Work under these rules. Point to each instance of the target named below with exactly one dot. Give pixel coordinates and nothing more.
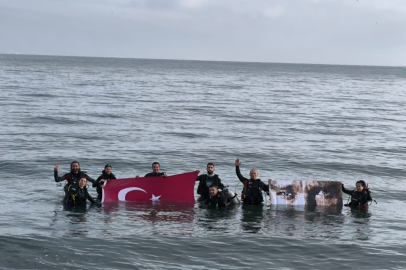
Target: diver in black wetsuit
(77, 195)
(155, 171)
(73, 176)
(359, 196)
(106, 175)
(216, 197)
(252, 190)
(207, 180)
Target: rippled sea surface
(291, 122)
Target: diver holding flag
(207, 180)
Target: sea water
(289, 121)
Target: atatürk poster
(305, 193)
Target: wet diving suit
(105, 177)
(152, 174)
(205, 181)
(76, 196)
(252, 190)
(73, 178)
(358, 199)
(219, 200)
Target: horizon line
(199, 60)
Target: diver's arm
(239, 175)
(368, 197)
(201, 185)
(265, 187)
(56, 177)
(59, 179)
(97, 180)
(349, 192)
(94, 182)
(219, 184)
(89, 197)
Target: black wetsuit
(205, 181)
(76, 196)
(105, 177)
(152, 174)
(252, 190)
(219, 200)
(73, 178)
(358, 199)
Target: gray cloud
(307, 31)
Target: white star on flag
(155, 198)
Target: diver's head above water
(210, 168)
(74, 167)
(254, 174)
(213, 190)
(155, 167)
(360, 185)
(82, 183)
(108, 169)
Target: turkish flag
(177, 187)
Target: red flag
(177, 187)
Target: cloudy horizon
(363, 32)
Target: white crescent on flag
(123, 192)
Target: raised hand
(56, 167)
(237, 162)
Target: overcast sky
(363, 32)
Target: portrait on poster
(326, 193)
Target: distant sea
(289, 121)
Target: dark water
(291, 122)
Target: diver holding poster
(359, 196)
(253, 187)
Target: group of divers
(212, 192)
